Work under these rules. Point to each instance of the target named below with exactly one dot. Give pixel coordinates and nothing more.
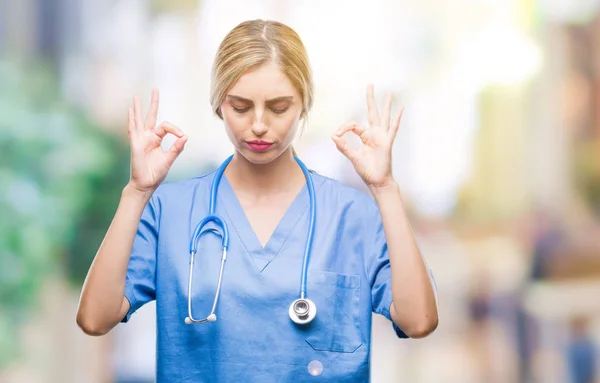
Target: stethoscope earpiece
(210, 318)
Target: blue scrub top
(254, 339)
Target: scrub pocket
(336, 326)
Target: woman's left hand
(373, 160)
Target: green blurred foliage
(586, 172)
(60, 178)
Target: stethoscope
(302, 310)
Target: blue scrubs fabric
(254, 339)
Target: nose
(259, 127)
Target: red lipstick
(259, 145)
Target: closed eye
(242, 110)
(280, 111)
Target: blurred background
(498, 157)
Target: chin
(260, 158)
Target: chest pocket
(336, 326)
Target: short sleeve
(379, 271)
(140, 283)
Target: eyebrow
(271, 101)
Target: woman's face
(261, 114)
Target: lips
(259, 145)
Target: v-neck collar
(262, 256)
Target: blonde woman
(262, 271)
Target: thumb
(344, 148)
(176, 149)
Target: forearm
(414, 308)
(102, 298)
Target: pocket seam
(348, 350)
(350, 281)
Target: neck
(278, 175)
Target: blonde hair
(253, 43)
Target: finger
(387, 107)
(355, 128)
(167, 127)
(372, 106)
(394, 127)
(153, 111)
(131, 122)
(359, 130)
(344, 148)
(137, 109)
(176, 149)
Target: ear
(218, 113)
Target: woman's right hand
(149, 163)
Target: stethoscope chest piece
(303, 311)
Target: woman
(364, 257)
